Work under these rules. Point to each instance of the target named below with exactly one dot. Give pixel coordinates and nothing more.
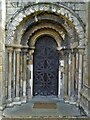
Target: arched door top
(45, 32)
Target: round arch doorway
(46, 64)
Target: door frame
(31, 52)
(50, 42)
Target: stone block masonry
(2, 52)
(9, 8)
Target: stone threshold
(47, 118)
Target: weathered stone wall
(0, 12)
(2, 52)
(12, 6)
(0, 48)
(15, 5)
(85, 95)
(80, 8)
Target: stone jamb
(81, 52)
(10, 52)
(17, 89)
(31, 53)
(60, 52)
(24, 97)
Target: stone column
(31, 68)
(28, 76)
(65, 75)
(59, 86)
(2, 55)
(59, 73)
(88, 52)
(77, 72)
(21, 74)
(24, 74)
(17, 50)
(10, 51)
(14, 74)
(73, 75)
(69, 74)
(80, 71)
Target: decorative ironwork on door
(46, 64)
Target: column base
(29, 98)
(9, 102)
(73, 100)
(60, 97)
(70, 100)
(66, 99)
(17, 101)
(24, 99)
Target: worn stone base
(46, 118)
(85, 100)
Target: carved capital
(10, 49)
(24, 50)
(81, 50)
(31, 52)
(18, 50)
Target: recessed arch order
(67, 14)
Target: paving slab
(26, 110)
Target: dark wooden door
(46, 64)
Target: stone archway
(31, 43)
(23, 32)
(67, 14)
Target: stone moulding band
(15, 46)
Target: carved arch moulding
(72, 20)
(47, 28)
(48, 32)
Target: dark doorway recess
(46, 63)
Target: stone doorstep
(47, 118)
